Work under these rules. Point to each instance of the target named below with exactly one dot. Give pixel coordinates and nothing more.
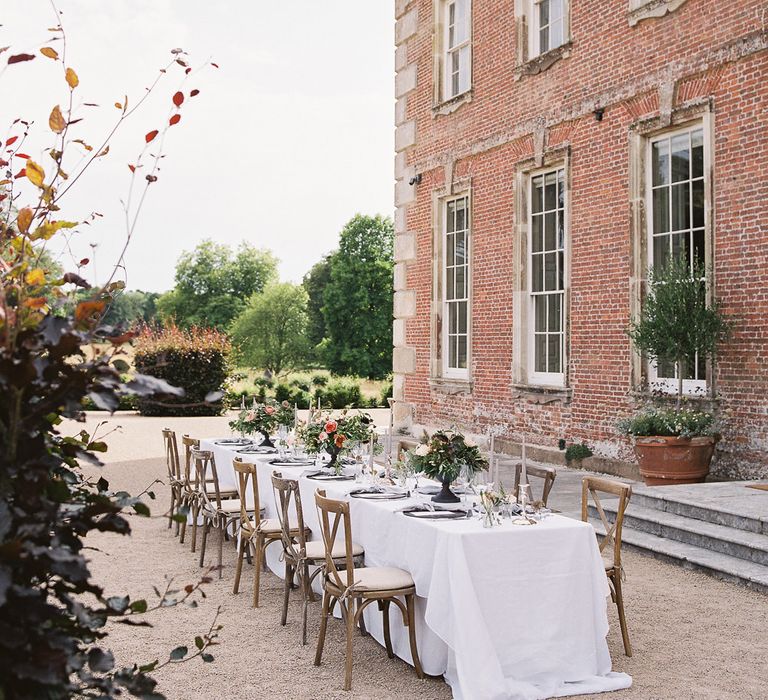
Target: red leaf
(132, 168)
(11, 140)
(194, 92)
(187, 71)
(175, 119)
(19, 57)
(3, 163)
(21, 173)
(151, 135)
(181, 63)
(178, 98)
(83, 262)
(22, 155)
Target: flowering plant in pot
(443, 456)
(263, 418)
(323, 433)
(674, 445)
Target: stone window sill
(451, 105)
(542, 394)
(451, 386)
(543, 61)
(703, 400)
(651, 9)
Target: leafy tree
(132, 307)
(272, 330)
(213, 284)
(314, 283)
(358, 299)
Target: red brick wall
(706, 48)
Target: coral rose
(322, 437)
(285, 404)
(330, 426)
(340, 440)
(269, 410)
(250, 415)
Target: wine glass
(524, 496)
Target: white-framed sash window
(549, 25)
(547, 274)
(457, 56)
(677, 167)
(456, 286)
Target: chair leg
(178, 506)
(622, 617)
(349, 617)
(286, 592)
(323, 627)
(171, 508)
(206, 527)
(183, 530)
(410, 606)
(195, 515)
(222, 528)
(239, 568)
(306, 591)
(257, 569)
(363, 631)
(387, 638)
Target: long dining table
(509, 612)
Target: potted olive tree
(674, 445)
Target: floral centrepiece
(323, 433)
(264, 419)
(443, 456)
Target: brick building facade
(547, 151)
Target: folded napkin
(366, 489)
(439, 511)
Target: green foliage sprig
(444, 455)
(670, 422)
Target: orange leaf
(35, 173)
(88, 309)
(11, 140)
(36, 303)
(19, 57)
(56, 121)
(36, 277)
(175, 119)
(72, 80)
(151, 135)
(24, 219)
(21, 155)
(118, 105)
(19, 174)
(48, 51)
(178, 98)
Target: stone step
(721, 566)
(730, 504)
(711, 536)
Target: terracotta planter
(674, 460)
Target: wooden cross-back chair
(356, 588)
(175, 479)
(610, 545)
(547, 474)
(215, 510)
(255, 532)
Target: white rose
(422, 450)
(449, 434)
(469, 442)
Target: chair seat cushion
(271, 526)
(229, 505)
(381, 578)
(316, 550)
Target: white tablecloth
(512, 612)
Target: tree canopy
(357, 300)
(314, 283)
(272, 330)
(214, 283)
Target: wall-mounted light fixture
(599, 114)
(415, 180)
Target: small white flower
(422, 450)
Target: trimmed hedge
(196, 360)
(340, 393)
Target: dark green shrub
(292, 394)
(266, 382)
(319, 379)
(340, 393)
(197, 360)
(126, 403)
(372, 402)
(577, 452)
(386, 393)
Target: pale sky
(289, 139)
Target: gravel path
(693, 636)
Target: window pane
(560, 229)
(697, 153)
(666, 370)
(450, 217)
(462, 22)
(540, 352)
(550, 225)
(455, 73)
(661, 210)
(463, 70)
(660, 162)
(698, 203)
(681, 210)
(461, 216)
(680, 158)
(453, 319)
(550, 191)
(660, 251)
(452, 351)
(461, 360)
(461, 283)
(698, 246)
(461, 252)
(540, 309)
(560, 270)
(450, 287)
(678, 241)
(554, 301)
(462, 306)
(537, 234)
(544, 12)
(556, 33)
(449, 249)
(536, 273)
(553, 351)
(537, 200)
(550, 271)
